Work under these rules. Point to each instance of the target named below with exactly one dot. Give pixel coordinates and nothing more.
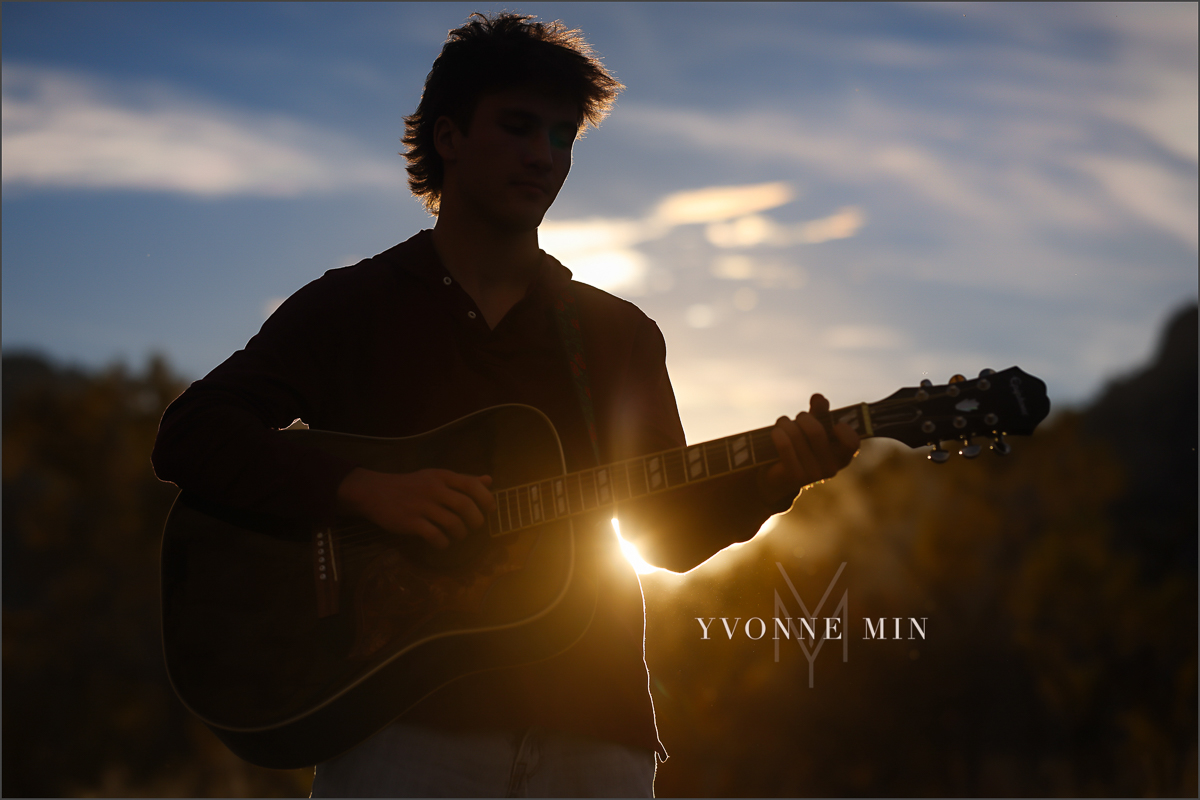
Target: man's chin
(522, 220)
(513, 218)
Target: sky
(844, 197)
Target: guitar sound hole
(461, 553)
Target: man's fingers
(818, 406)
(818, 445)
(811, 448)
(794, 450)
(462, 506)
(447, 520)
(847, 440)
(473, 487)
(431, 533)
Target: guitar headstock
(994, 405)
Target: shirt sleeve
(219, 440)
(679, 529)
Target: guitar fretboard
(575, 493)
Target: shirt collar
(419, 257)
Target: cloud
(766, 274)
(601, 250)
(68, 131)
(1146, 190)
(718, 203)
(1025, 132)
(754, 230)
(864, 337)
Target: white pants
(412, 761)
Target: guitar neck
(577, 493)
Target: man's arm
(680, 529)
(219, 440)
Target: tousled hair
(494, 53)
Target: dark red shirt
(394, 347)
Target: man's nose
(539, 152)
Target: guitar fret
(574, 493)
(620, 481)
(654, 474)
(673, 463)
(506, 496)
(560, 498)
(718, 458)
(638, 481)
(535, 505)
(587, 488)
(741, 451)
(603, 487)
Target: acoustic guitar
(295, 642)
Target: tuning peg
(939, 456)
(1001, 447)
(956, 379)
(984, 373)
(926, 383)
(969, 450)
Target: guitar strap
(567, 315)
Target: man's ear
(445, 137)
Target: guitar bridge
(326, 570)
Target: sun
(639, 564)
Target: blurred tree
(1060, 587)
(88, 709)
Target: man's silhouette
(451, 321)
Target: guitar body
(294, 644)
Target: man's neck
(495, 267)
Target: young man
(458, 319)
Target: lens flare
(631, 553)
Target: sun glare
(631, 553)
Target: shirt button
(471, 314)
(446, 280)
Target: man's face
(507, 170)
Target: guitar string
(354, 532)
(357, 533)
